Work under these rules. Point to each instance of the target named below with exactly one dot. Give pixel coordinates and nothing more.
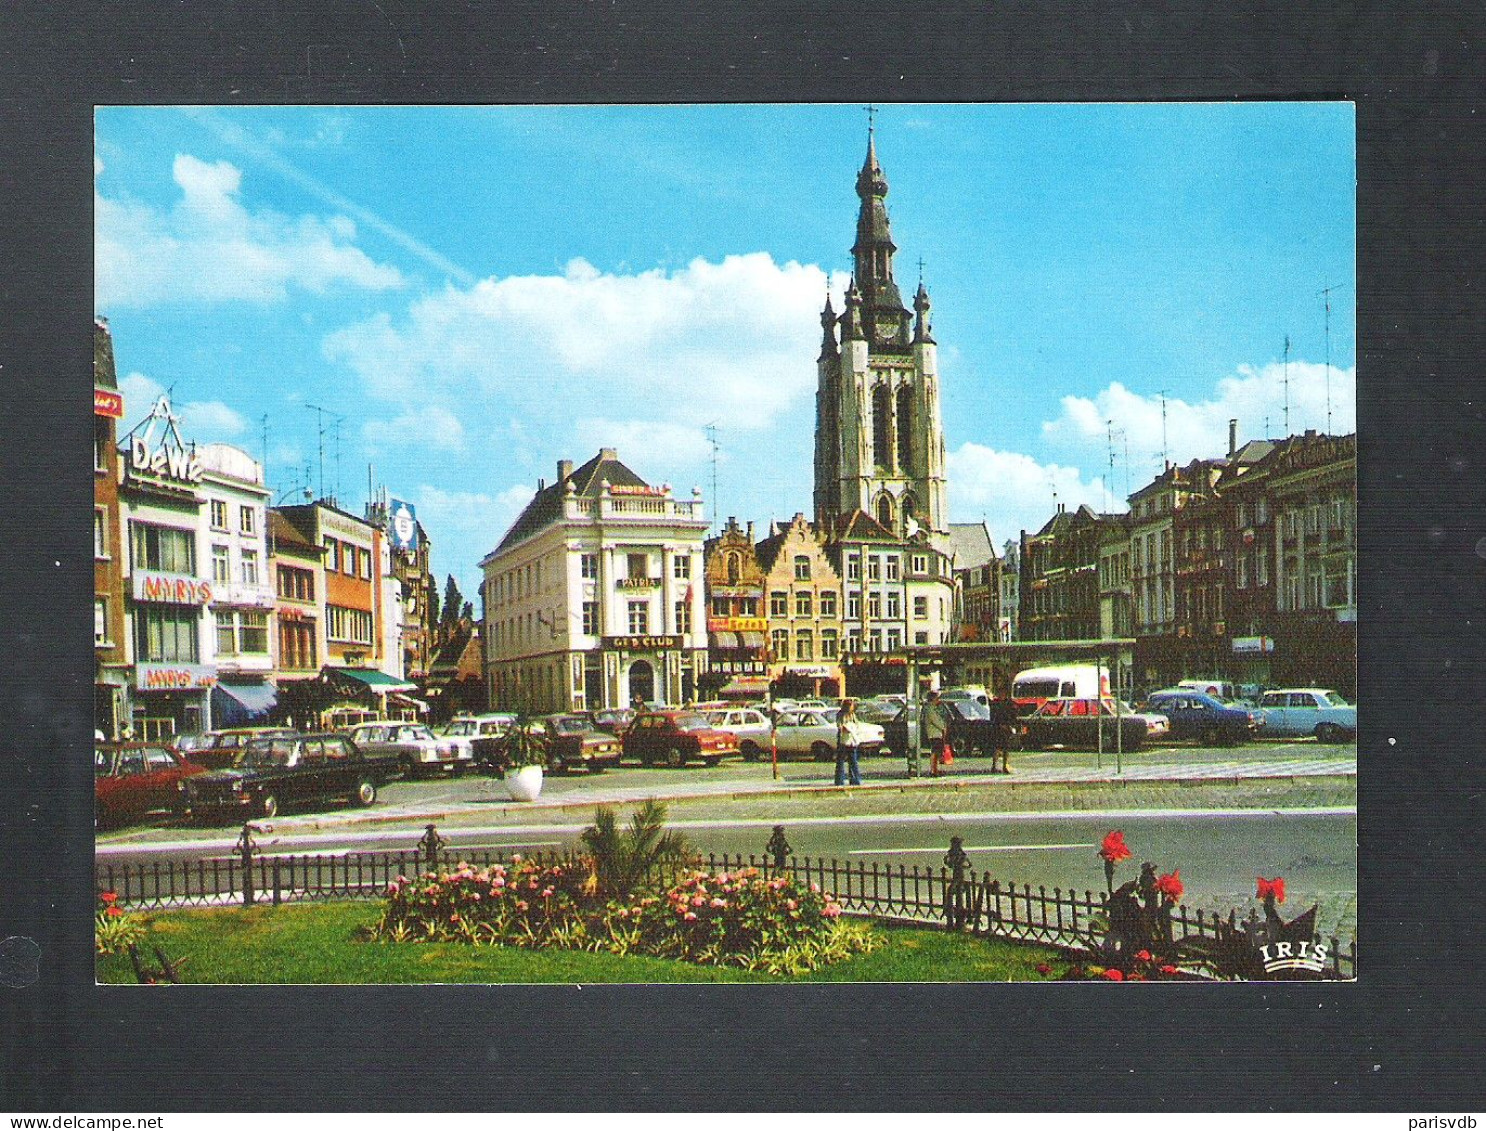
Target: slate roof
(970, 545)
(545, 507)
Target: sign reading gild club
(642, 643)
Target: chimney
(750, 532)
(541, 484)
(564, 469)
(1232, 435)
(608, 453)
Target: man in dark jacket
(1003, 723)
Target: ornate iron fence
(959, 900)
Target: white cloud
(200, 421)
(643, 441)
(467, 525)
(430, 426)
(210, 248)
(734, 340)
(1014, 491)
(1253, 395)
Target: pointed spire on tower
(921, 306)
(851, 320)
(828, 346)
(883, 313)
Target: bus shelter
(927, 660)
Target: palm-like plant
(623, 858)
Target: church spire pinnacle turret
(882, 305)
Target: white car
(467, 731)
(417, 750)
(1156, 726)
(751, 725)
(811, 731)
(1298, 712)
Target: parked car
(479, 738)
(1078, 723)
(969, 727)
(1035, 686)
(1218, 688)
(217, 748)
(1156, 725)
(811, 732)
(615, 720)
(133, 779)
(675, 738)
(1300, 711)
(751, 725)
(1204, 717)
(572, 742)
(416, 749)
(269, 775)
(972, 692)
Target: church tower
(879, 436)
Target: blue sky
(481, 291)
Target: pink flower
(521, 905)
(792, 903)
(698, 900)
(719, 902)
(546, 893)
(690, 916)
(815, 887)
(830, 911)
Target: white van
(1218, 687)
(1035, 686)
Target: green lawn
(316, 943)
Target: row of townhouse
(1240, 568)
(214, 608)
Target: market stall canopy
(240, 704)
(368, 679)
(746, 685)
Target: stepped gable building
(594, 597)
(879, 450)
(804, 610)
(737, 629)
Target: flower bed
(740, 918)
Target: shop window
(164, 548)
(166, 633)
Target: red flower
(1274, 887)
(109, 896)
(1137, 978)
(1142, 956)
(114, 912)
(1170, 886)
(1044, 969)
(1168, 969)
(1114, 848)
(1113, 975)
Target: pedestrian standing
(1003, 721)
(847, 744)
(935, 729)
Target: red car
(132, 779)
(677, 737)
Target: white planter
(524, 784)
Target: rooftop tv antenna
(320, 415)
(711, 431)
(1165, 456)
(1325, 293)
(1287, 386)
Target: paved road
(469, 797)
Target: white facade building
(595, 597)
(233, 533)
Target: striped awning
(724, 639)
